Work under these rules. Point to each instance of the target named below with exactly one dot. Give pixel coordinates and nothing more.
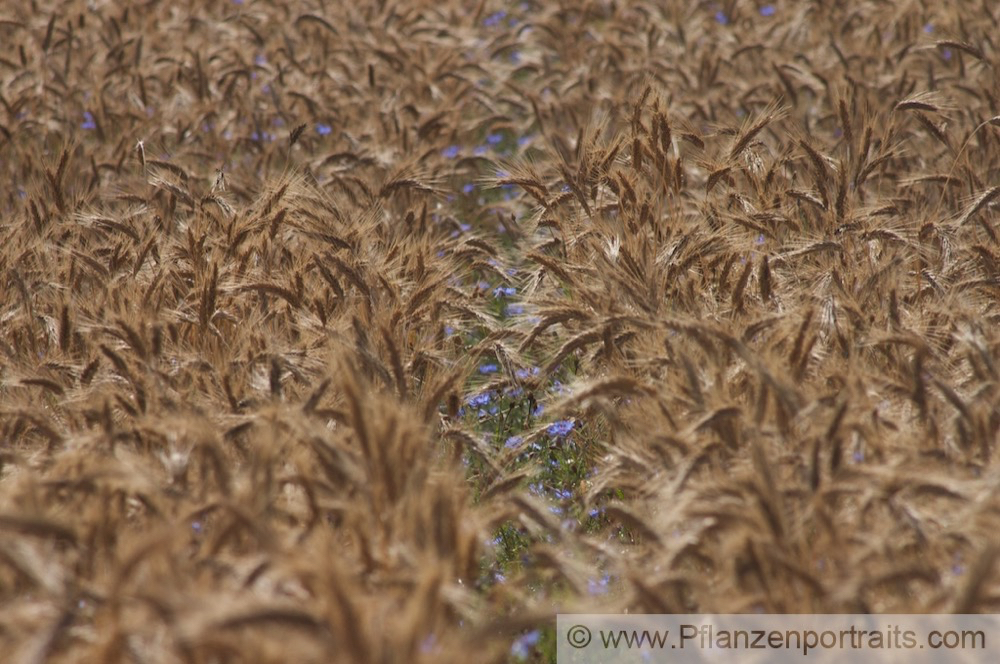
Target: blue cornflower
(468, 188)
(522, 646)
(88, 121)
(596, 512)
(515, 309)
(598, 586)
(563, 494)
(494, 18)
(465, 228)
(450, 152)
(479, 400)
(539, 409)
(561, 428)
(760, 239)
(524, 373)
(493, 139)
(504, 291)
(323, 129)
(513, 442)
(929, 28)
(721, 18)
(488, 369)
(480, 150)
(767, 10)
